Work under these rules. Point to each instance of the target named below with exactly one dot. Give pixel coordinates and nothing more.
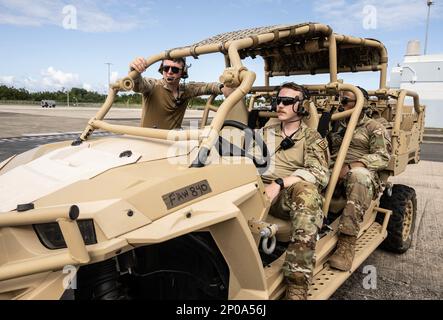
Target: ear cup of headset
(303, 108)
(185, 71)
(365, 93)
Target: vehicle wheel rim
(407, 220)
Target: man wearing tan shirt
(165, 100)
(294, 180)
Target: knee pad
(361, 176)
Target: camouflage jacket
(308, 158)
(370, 144)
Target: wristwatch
(280, 182)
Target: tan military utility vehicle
(150, 213)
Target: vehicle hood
(46, 170)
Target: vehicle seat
(312, 120)
(284, 228)
(239, 112)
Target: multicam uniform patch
(322, 144)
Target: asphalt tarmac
(30, 127)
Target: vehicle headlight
(51, 236)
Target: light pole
(67, 95)
(109, 73)
(429, 3)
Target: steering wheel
(250, 137)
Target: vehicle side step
(328, 280)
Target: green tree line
(78, 95)
(75, 95)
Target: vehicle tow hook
(269, 233)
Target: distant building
(424, 75)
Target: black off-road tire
(403, 203)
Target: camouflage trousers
(301, 203)
(359, 191)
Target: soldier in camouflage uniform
(368, 153)
(165, 100)
(297, 174)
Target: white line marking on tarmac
(49, 136)
(43, 134)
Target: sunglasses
(173, 69)
(286, 101)
(346, 100)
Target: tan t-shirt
(307, 159)
(161, 109)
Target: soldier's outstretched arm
(196, 89)
(141, 85)
(144, 85)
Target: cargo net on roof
(288, 55)
(242, 34)
(293, 58)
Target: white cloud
(114, 76)
(28, 83)
(87, 86)
(53, 78)
(90, 17)
(7, 80)
(96, 21)
(10, 19)
(346, 15)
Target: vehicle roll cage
(275, 44)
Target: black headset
(365, 93)
(301, 111)
(366, 108)
(184, 70)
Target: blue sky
(39, 53)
